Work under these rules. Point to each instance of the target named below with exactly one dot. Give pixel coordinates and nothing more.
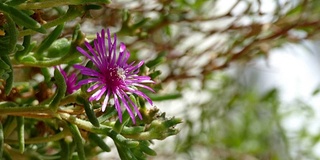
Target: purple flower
(114, 77)
(70, 81)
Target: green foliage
(21, 18)
(99, 141)
(7, 73)
(89, 111)
(61, 90)
(9, 40)
(46, 43)
(77, 138)
(49, 119)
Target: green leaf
(124, 152)
(46, 74)
(28, 59)
(171, 96)
(162, 128)
(118, 126)
(99, 141)
(131, 143)
(61, 90)
(295, 11)
(156, 61)
(26, 48)
(144, 146)
(59, 48)
(109, 112)
(78, 140)
(9, 126)
(20, 128)
(89, 111)
(46, 43)
(132, 130)
(9, 80)
(155, 74)
(140, 23)
(9, 40)
(65, 150)
(4, 65)
(22, 18)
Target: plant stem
(21, 111)
(86, 125)
(70, 98)
(141, 136)
(55, 137)
(106, 130)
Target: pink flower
(71, 81)
(113, 76)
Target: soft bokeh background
(247, 72)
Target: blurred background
(242, 74)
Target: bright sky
(294, 69)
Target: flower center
(116, 76)
(121, 73)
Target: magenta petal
(125, 103)
(132, 104)
(97, 95)
(112, 76)
(94, 87)
(105, 102)
(86, 81)
(117, 105)
(70, 80)
(143, 86)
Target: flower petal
(124, 101)
(97, 95)
(133, 104)
(117, 105)
(105, 102)
(114, 77)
